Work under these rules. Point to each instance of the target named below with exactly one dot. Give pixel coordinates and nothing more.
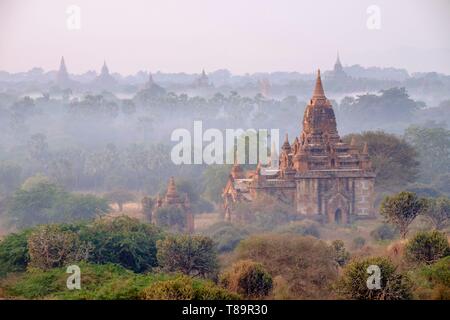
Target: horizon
(255, 36)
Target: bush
(247, 278)
(432, 281)
(353, 282)
(186, 288)
(122, 240)
(191, 255)
(359, 242)
(341, 255)
(427, 247)
(384, 232)
(97, 282)
(305, 263)
(51, 246)
(301, 228)
(225, 235)
(14, 255)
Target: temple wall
(307, 196)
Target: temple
(62, 77)
(322, 177)
(174, 199)
(202, 81)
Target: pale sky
(240, 35)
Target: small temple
(202, 81)
(173, 199)
(322, 177)
(62, 77)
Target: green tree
(427, 247)
(401, 209)
(353, 282)
(191, 255)
(14, 255)
(50, 246)
(438, 212)
(124, 241)
(248, 279)
(433, 145)
(214, 179)
(393, 159)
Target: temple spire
(318, 90)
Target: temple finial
(318, 90)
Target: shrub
(301, 228)
(247, 278)
(97, 282)
(14, 255)
(225, 235)
(186, 288)
(341, 255)
(122, 240)
(434, 280)
(353, 282)
(384, 232)
(305, 263)
(50, 246)
(191, 255)
(427, 247)
(359, 242)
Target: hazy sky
(240, 35)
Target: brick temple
(322, 177)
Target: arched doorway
(338, 216)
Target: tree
(438, 212)
(214, 179)
(191, 255)
(14, 255)
(341, 254)
(427, 247)
(120, 197)
(51, 246)
(353, 282)
(401, 209)
(147, 204)
(40, 201)
(248, 279)
(394, 160)
(124, 241)
(226, 235)
(433, 145)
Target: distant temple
(173, 199)
(322, 177)
(202, 81)
(62, 77)
(105, 79)
(338, 72)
